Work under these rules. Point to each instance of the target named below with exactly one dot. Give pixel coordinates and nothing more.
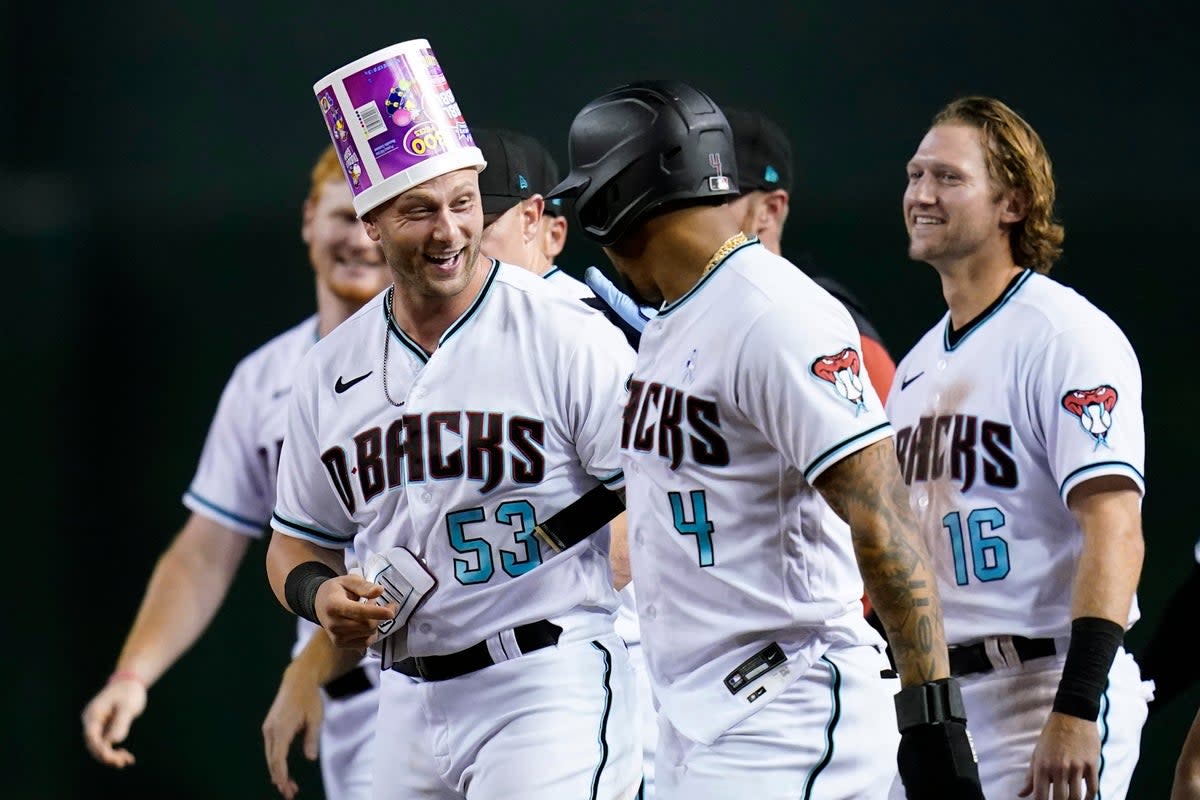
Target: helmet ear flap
(593, 214)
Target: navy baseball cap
(763, 152)
(517, 168)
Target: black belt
(533, 636)
(353, 682)
(969, 659)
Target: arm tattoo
(866, 490)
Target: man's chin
(357, 293)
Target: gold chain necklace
(731, 244)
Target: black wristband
(300, 588)
(929, 702)
(1094, 643)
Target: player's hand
(297, 708)
(348, 612)
(107, 718)
(1066, 760)
(619, 307)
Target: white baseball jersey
(995, 425)
(567, 283)
(234, 485)
(513, 417)
(746, 389)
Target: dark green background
(153, 164)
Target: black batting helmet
(641, 147)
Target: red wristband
(128, 675)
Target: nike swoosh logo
(342, 386)
(278, 393)
(904, 383)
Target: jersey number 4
(517, 514)
(697, 526)
(988, 555)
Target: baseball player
(431, 435)
(747, 405)
(231, 498)
(1019, 429)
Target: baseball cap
(518, 167)
(763, 152)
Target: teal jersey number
(988, 554)
(480, 566)
(697, 526)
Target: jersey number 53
(520, 517)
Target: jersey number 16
(988, 554)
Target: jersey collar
(410, 343)
(951, 339)
(669, 307)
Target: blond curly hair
(1016, 160)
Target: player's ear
(368, 221)
(1016, 206)
(775, 205)
(558, 234)
(531, 217)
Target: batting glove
(936, 757)
(619, 307)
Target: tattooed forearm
(866, 490)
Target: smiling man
(428, 439)
(1019, 430)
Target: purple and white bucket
(394, 122)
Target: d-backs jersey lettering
(995, 425)
(746, 389)
(514, 416)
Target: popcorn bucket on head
(394, 122)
